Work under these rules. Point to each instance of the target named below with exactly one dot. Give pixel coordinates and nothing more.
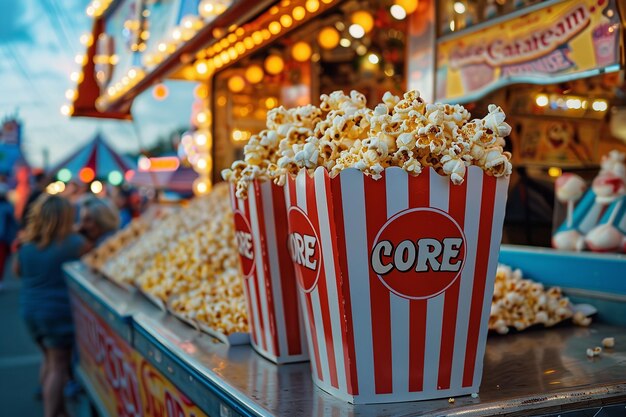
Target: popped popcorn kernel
(608, 342)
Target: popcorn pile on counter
(404, 132)
(128, 265)
(109, 249)
(189, 260)
(199, 274)
(216, 303)
(521, 303)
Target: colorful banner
(553, 44)
(124, 382)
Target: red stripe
(321, 284)
(287, 274)
(376, 216)
(91, 161)
(269, 292)
(293, 198)
(456, 209)
(480, 276)
(259, 309)
(419, 196)
(343, 285)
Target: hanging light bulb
(254, 74)
(328, 38)
(274, 64)
(301, 51)
(236, 83)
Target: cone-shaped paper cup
(276, 324)
(396, 278)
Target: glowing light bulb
(542, 100)
(356, 31)
(397, 12)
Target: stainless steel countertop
(539, 371)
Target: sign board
(126, 384)
(560, 42)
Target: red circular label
(418, 253)
(304, 249)
(245, 243)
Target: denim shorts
(51, 333)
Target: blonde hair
(50, 219)
(104, 214)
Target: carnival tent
(96, 160)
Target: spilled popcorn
(344, 133)
(521, 303)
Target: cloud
(39, 41)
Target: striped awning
(97, 155)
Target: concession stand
(556, 68)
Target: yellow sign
(554, 44)
(125, 383)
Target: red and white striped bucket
(396, 279)
(275, 320)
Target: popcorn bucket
(276, 324)
(396, 278)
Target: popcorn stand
(348, 264)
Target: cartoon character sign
(557, 141)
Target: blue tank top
(44, 292)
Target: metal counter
(537, 372)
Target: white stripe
(502, 186)
(397, 185)
(353, 200)
(439, 196)
(260, 272)
(241, 206)
(286, 192)
(233, 198)
(307, 327)
(472, 217)
(301, 191)
(274, 267)
(591, 219)
(305, 341)
(434, 322)
(255, 311)
(319, 331)
(439, 191)
(302, 203)
(256, 328)
(330, 275)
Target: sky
(38, 42)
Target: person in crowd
(8, 229)
(98, 220)
(46, 244)
(121, 198)
(39, 186)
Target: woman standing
(44, 300)
(98, 220)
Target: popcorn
(277, 150)
(521, 303)
(406, 132)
